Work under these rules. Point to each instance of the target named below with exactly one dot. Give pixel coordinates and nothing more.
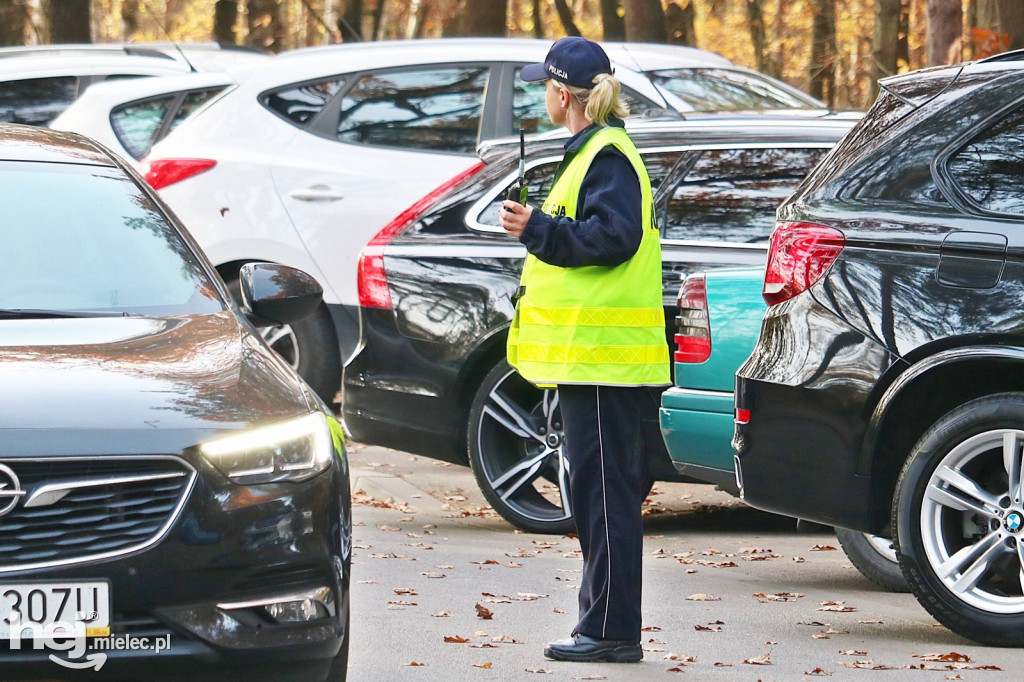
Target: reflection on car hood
(164, 380)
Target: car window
(426, 109)
(730, 195)
(300, 103)
(990, 168)
(191, 103)
(103, 246)
(136, 124)
(36, 101)
(541, 178)
(530, 113)
(727, 90)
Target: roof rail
(1011, 56)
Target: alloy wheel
(972, 521)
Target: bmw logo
(1013, 521)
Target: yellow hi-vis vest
(595, 324)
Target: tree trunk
(484, 18)
(999, 27)
(565, 14)
(903, 37)
(538, 20)
(421, 19)
(680, 19)
(173, 13)
(884, 42)
(645, 21)
(69, 21)
(613, 27)
(129, 20)
(350, 20)
(13, 22)
(944, 28)
(823, 51)
(755, 22)
(266, 30)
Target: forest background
(833, 49)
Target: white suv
(319, 148)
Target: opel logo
(1013, 522)
(10, 489)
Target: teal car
(719, 321)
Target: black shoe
(583, 648)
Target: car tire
(958, 516)
(310, 346)
(875, 558)
(514, 447)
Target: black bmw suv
(173, 498)
(886, 391)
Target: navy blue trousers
(607, 470)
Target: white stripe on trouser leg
(604, 500)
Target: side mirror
(277, 293)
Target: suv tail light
(163, 172)
(693, 340)
(800, 255)
(373, 278)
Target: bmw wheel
(310, 346)
(874, 557)
(515, 450)
(959, 515)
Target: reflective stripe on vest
(593, 324)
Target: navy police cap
(572, 60)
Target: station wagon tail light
(693, 337)
(160, 173)
(373, 278)
(800, 255)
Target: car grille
(79, 509)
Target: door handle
(315, 193)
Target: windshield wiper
(39, 313)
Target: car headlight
(294, 450)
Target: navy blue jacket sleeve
(609, 225)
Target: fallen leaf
(707, 628)
(505, 639)
(700, 596)
(456, 639)
(541, 671)
(763, 659)
(530, 596)
(870, 622)
(710, 551)
(798, 560)
(433, 574)
(818, 672)
(778, 596)
(442, 614)
(480, 633)
(557, 610)
(388, 528)
(482, 665)
(691, 570)
(818, 635)
(813, 623)
(402, 602)
(724, 665)
(483, 612)
(833, 631)
(406, 590)
(823, 548)
(852, 652)
(837, 606)
(414, 663)
(362, 546)
(484, 563)
(369, 582)
(951, 656)
(591, 677)
(485, 645)
(651, 628)
(681, 659)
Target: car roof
(720, 130)
(32, 143)
(209, 55)
(16, 67)
(375, 54)
(111, 93)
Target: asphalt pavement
(444, 589)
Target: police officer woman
(590, 321)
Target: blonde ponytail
(602, 100)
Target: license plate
(30, 610)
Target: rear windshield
(86, 238)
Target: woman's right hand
(513, 218)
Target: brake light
(742, 416)
(373, 278)
(693, 340)
(163, 172)
(800, 255)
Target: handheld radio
(519, 192)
